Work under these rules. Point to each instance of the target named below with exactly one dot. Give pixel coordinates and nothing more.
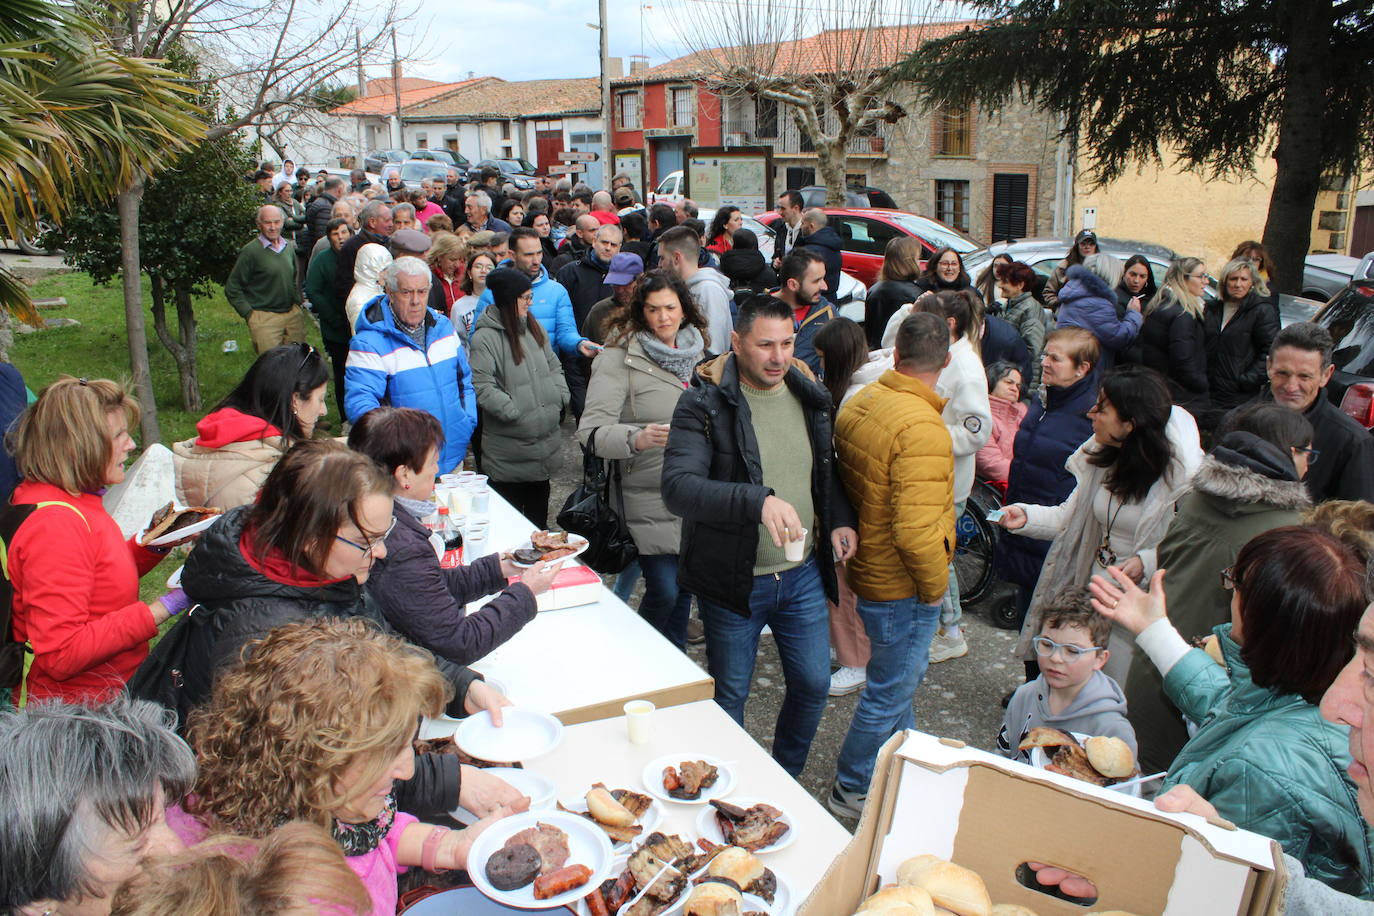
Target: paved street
(959, 698)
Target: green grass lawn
(98, 348)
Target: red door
(547, 145)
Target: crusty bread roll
(1111, 757)
(714, 899)
(603, 806)
(1011, 909)
(950, 886)
(898, 901)
(1212, 646)
(739, 865)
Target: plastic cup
(450, 480)
(475, 545)
(639, 720)
(794, 551)
(459, 500)
(481, 501)
(477, 481)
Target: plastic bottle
(452, 533)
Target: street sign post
(577, 156)
(568, 168)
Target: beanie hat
(507, 285)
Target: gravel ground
(958, 699)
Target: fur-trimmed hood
(1242, 485)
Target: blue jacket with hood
(552, 308)
(1088, 301)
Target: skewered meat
(688, 779)
(547, 840)
(751, 828)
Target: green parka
(520, 403)
(1270, 763)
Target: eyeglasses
(1228, 579)
(1046, 647)
(372, 542)
(1311, 453)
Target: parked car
(849, 297)
(345, 174)
(413, 171)
(669, 190)
(1349, 316)
(1044, 255)
(865, 231)
(855, 196)
(519, 172)
(374, 160)
(1325, 275)
(449, 157)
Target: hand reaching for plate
(482, 695)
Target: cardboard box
(990, 814)
(573, 586)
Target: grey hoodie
(1099, 709)
(711, 290)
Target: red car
(865, 231)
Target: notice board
(740, 176)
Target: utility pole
(396, 90)
(608, 167)
(362, 93)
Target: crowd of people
(780, 467)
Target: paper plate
(467, 900)
(708, 828)
(172, 537)
(648, 821)
(781, 905)
(539, 789)
(1039, 759)
(524, 734)
(174, 580)
(653, 778)
(587, 845)
(574, 540)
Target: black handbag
(588, 512)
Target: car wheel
(30, 246)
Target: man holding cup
(750, 469)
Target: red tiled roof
(818, 53)
(381, 99)
(518, 98)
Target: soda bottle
(452, 534)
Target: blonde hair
(1237, 264)
(1175, 288)
(307, 703)
(1350, 520)
(902, 259)
(64, 439)
(443, 244)
(298, 869)
(1080, 344)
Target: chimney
(638, 66)
(615, 68)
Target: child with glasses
(1071, 693)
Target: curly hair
(628, 321)
(307, 703)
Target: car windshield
(1351, 323)
(415, 171)
(938, 235)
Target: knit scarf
(360, 839)
(419, 508)
(679, 359)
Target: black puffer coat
(585, 281)
(882, 303)
(713, 479)
(1236, 354)
(1172, 342)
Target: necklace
(1105, 555)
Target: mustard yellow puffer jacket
(897, 464)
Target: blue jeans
(664, 605)
(793, 604)
(899, 633)
(626, 581)
(951, 610)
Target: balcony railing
(739, 129)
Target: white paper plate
(540, 790)
(587, 845)
(618, 865)
(574, 540)
(172, 537)
(466, 900)
(1039, 759)
(649, 821)
(653, 778)
(174, 580)
(524, 734)
(709, 829)
(781, 905)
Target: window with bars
(766, 118)
(627, 107)
(951, 203)
(953, 132)
(683, 104)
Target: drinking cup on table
(481, 500)
(459, 500)
(792, 549)
(477, 481)
(639, 720)
(450, 480)
(475, 545)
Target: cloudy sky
(542, 39)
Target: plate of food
(523, 735)
(467, 900)
(688, 779)
(623, 814)
(739, 870)
(539, 789)
(171, 524)
(1102, 761)
(651, 880)
(547, 547)
(539, 860)
(747, 823)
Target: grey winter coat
(521, 403)
(627, 392)
(1237, 493)
(1028, 317)
(1099, 709)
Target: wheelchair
(975, 543)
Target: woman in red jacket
(75, 576)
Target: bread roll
(603, 806)
(714, 899)
(1011, 909)
(1212, 646)
(950, 886)
(1111, 757)
(739, 865)
(898, 901)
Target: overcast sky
(542, 39)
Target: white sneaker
(948, 644)
(845, 681)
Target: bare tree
(266, 59)
(826, 63)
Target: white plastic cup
(481, 501)
(639, 720)
(793, 551)
(450, 480)
(475, 545)
(459, 500)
